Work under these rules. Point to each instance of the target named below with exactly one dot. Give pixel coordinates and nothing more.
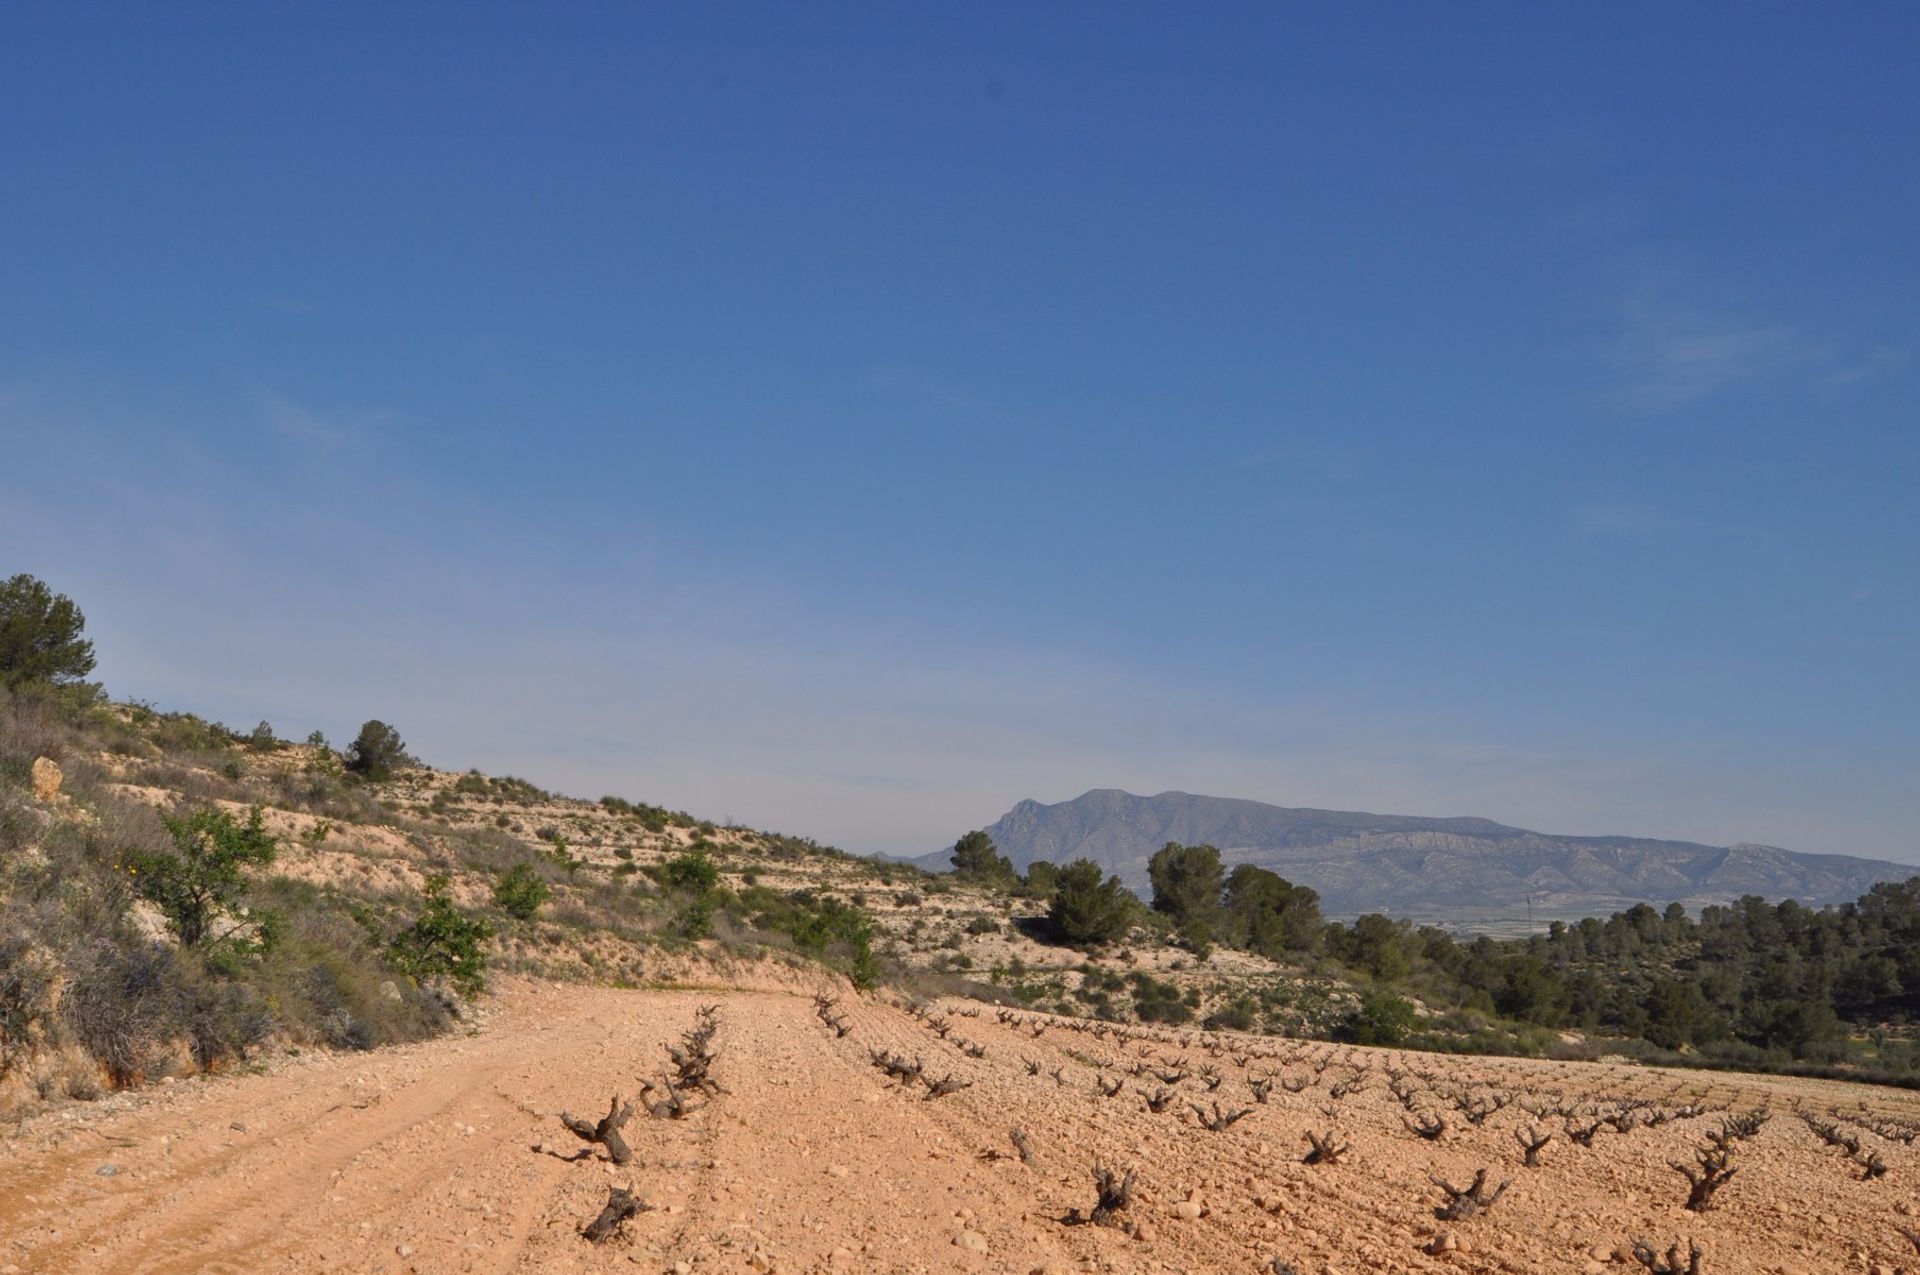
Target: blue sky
(854, 419)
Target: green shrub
(519, 892)
(1196, 936)
(695, 920)
(187, 733)
(443, 942)
(560, 857)
(836, 932)
(1236, 1015)
(200, 886)
(692, 873)
(1380, 1019)
(1155, 1001)
(328, 978)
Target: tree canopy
(1186, 882)
(1040, 879)
(377, 752)
(976, 858)
(1089, 907)
(1270, 915)
(1186, 887)
(40, 638)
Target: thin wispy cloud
(303, 424)
(1881, 360)
(1669, 357)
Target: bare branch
(607, 1132)
(1465, 1202)
(621, 1205)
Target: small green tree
(40, 638)
(201, 885)
(443, 942)
(377, 751)
(1373, 944)
(976, 858)
(520, 892)
(262, 740)
(1186, 883)
(1529, 989)
(322, 760)
(1270, 915)
(1040, 879)
(1089, 907)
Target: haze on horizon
(854, 422)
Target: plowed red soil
(449, 1156)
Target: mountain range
(1429, 868)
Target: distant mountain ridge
(1412, 865)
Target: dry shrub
(30, 727)
(119, 1008)
(328, 978)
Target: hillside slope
(1423, 866)
(98, 992)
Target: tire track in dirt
(422, 1159)
(309, 1168)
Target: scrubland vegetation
(176, 895)
(1754, 985)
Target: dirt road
(449, 1157)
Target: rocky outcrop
(46, 778)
